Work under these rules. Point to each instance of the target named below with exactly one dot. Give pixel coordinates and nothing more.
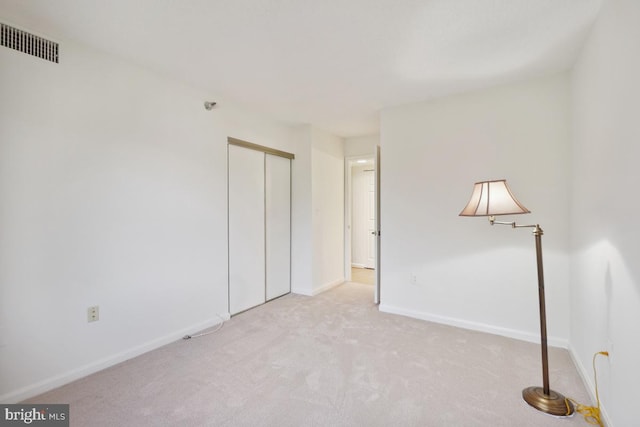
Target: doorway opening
(361, 222)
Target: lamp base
(553, 403)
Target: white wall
(361, 145)
(605, 282)
(469, 273)
(113, 193)
(318, 218)
(327, 181)
(301, 218)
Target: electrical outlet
(93, 314)
(414, 279)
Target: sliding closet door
(246, 229)
(278, 225)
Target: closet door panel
(278, 225)
(246, 229)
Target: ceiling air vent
(28, 43)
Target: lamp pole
(537, 232)
(542, 398)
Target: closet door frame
(267, 151)
(262, 148)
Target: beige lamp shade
(491, 198)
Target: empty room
(303, 213)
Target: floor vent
(28, 43)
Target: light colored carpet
(330, 360)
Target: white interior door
(360, 224)
(371, 218)
(278, 225)
(246, 228)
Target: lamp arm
(492, 221)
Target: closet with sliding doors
(259, 215)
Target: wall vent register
(28, 43)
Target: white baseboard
(98, 365)
(321, 289)
(474, 326)
(589, 385)
(327, 286)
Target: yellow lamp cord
(591, 414)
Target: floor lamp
(492, 198)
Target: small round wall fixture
(208, 105)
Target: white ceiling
(334, 64)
